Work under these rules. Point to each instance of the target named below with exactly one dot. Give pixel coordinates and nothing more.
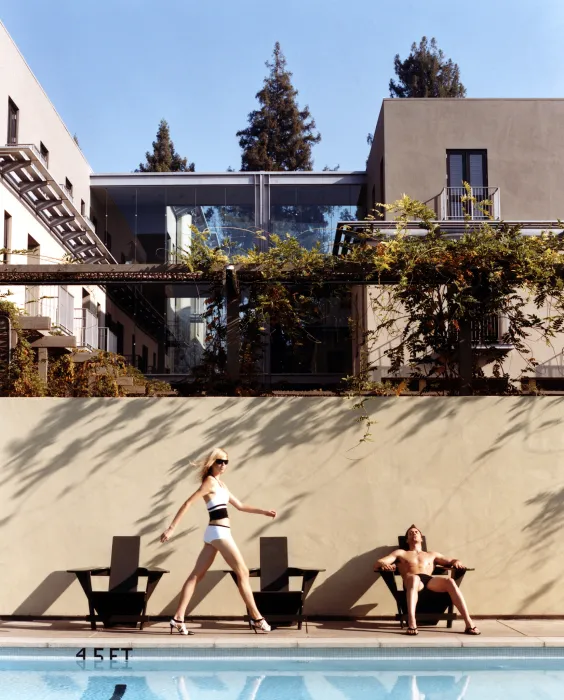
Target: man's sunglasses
(222, 461)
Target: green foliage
(265, 305)
(96, 376)
(21, 377)
(426, 73)
(164, 158)
(444, 285)
(280, 135)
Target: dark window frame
(44, 152)
(7, 236)
(466, 153)
(13, 111)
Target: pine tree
(426, 73)
(164, 158)
(279, 135)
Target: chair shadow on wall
(46, 594)
(40, 600)
(345, 587)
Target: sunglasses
(222, 461)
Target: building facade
(54, 209)
(510, 152)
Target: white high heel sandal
(179, 626)
(260, 625)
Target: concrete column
(232, 298)
(43, 363)
(465, 358)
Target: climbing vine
(427, 292)
(100, 374)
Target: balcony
(488, 332)
(53, 302)
(478, 204)
(24, 169)
(68, 194)
(107, 340)
(86, 329)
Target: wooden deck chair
(431, 607)
(122, 604)
(275, 600)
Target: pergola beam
(342, 273)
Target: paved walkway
(369, 633)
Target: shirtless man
(416, 569)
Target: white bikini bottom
(217, 532)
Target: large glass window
(155, 224)
(323, 348)
(311, 212)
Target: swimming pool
(316, 674)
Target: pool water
(282, 679)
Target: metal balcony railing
(86, 329)
(107, 340)
(481, 203)
(66, 190)
(54, 302)
(486, 330)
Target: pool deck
(219, 634)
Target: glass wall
(311, 212)
(155, 224)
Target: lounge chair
(122, 603)
(431, 606)
(275, 600)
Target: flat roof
(355, 177)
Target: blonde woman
(217, 538)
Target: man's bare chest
(420, 559)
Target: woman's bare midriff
(221, 521)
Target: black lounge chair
(275, 600)
(431, 607)
(122, 604)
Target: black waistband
(218, 514)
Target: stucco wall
(523, 138)
(483, 477)
(38, 120)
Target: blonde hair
(204, 465)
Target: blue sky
(114, 68)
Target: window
(68, 186)
(13, 112)
(44, 154)
(382, 182)
(119, 331)
(33, 251)
(82, 207)
(144, 359)
(154, 362)
(467, 166)
(7, 239)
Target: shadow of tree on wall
(545, 526)
(272, 428)
(80, 431)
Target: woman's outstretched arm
(200, 493)
(250, 509)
